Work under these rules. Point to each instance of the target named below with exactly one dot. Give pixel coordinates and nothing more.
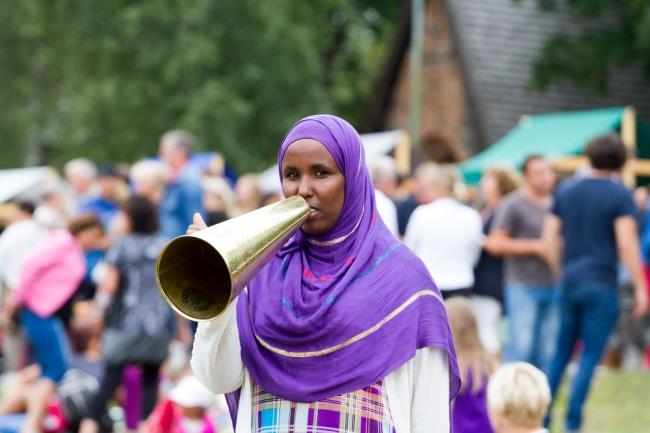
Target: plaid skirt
(362, 411)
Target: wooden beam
(570, 164)
(628, 135)
(403, 154)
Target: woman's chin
(314, 228)
(310, 229)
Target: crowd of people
(82, 316)
(528, 268)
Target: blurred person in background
(74, 392)
(111, 192)
(487, 298)
(530, 283)
(49, 277)
(476, 364)
(218, 200)
(148, 178)
(248, 194)
(139, 325)
(51, 211)
(445, 233)
(594, 226)
(421, 195)
(18, 240)
(216, 166)
(81, 176)
(383, 173)
(183, 195)
(184, 411)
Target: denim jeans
(49, 343)
(532, 315)
(588, 312)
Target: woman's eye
(291, 175)
(320, 173)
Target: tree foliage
(587, 58)
(105, 79)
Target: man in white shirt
(384, 177)
(445, 233)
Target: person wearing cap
(184, 411)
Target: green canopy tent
(560, 136)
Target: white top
(447, 236)
(417, 392)
(387, 211)
(16, 242)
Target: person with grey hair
(383, 171)
(81, 175)
(148, 178)
(445, 234)
(384, 177)
(183, 194)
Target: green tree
(106, 79)
(586, 58)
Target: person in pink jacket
(49, 277)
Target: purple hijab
(334, 313)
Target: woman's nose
(305, 187)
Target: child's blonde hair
(472, 356)
(519, 393)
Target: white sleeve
(216, 355)
(430, 393)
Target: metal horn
(200, 274)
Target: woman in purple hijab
(344, 329)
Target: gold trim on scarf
(359, 336)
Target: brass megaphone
(200, 274)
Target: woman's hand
(197, 224)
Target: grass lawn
(619, 402)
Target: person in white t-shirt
(445, 234)
(383, 173)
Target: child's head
(191, 398)
(471, 354)
(518, 397)
(463, 324)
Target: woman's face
(490, 189)
(309, 170)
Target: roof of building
(497, 41)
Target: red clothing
(166, 418)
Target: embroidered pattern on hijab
(337, 312)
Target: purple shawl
(335, 313)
